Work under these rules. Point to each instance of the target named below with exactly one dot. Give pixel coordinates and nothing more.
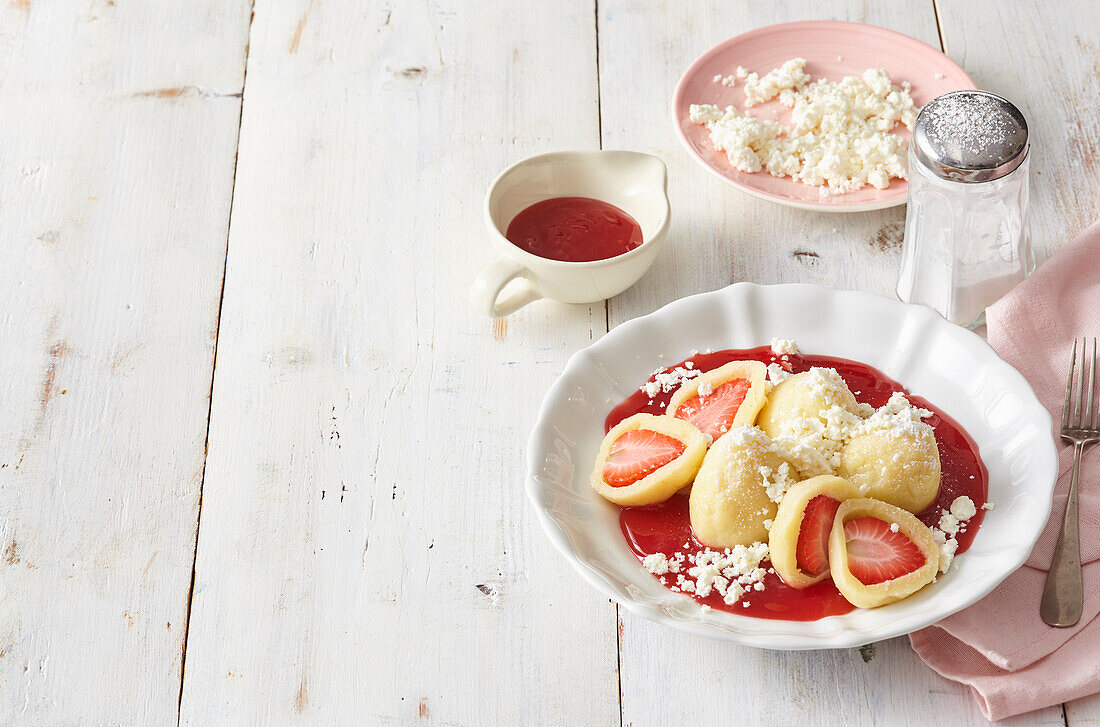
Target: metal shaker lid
(970, 136)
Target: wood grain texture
(720, 236)
(1045, 58)
(697, 681)
(120, 129)
(366, 555)
(1083, 712)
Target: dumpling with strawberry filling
(799, 536)
(722, 398)
(730, 501)
(879, 553)
(645, 459)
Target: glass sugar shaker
(966, 232)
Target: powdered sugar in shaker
(966, 231)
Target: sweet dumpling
(645, 459)
(729, 501)
(799, 538)
(879, 554)
(898, 464)
(722, 398)
(805, 396)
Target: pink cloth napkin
(1000, 647)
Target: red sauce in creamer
(574, 229)
(666, 527)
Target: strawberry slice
(876, 553)
(638, 453)
(812, 550)
(713, 414)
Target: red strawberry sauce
(574, 229)
(666, 527)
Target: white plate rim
(763, 633)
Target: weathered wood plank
(1045, 58)
(120, 128)
(366, 554)
(720, 236)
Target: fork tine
(1069, 386)
(1092, 380)
(1079, 409)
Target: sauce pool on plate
(666, 527)
(574, 229)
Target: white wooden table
(259, 461)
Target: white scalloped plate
(950, 366)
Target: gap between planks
(214, 366)
(939, 24)
(607, 329)
(943, 48)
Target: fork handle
(1063, 594)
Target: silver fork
(1063, 594)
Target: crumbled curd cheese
(783, 346)
(791, 75)
(656, 563)
(728, 572)
(947, 554)
(749, 436)
(963, 508)
(777, 481)
(777, 374)
(665, 380)
(826, 383)
(813, 444)
(840, 134)
(747, 142)
(659, 564)
(952, 522)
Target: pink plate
(833, 49)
